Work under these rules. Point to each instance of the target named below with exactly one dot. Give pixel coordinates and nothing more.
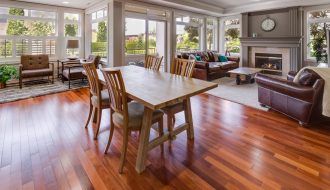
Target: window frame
(310, 21)
(223, 27)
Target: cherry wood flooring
(43, 145)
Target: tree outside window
(232, 34)
(188, 34)
(319, 23)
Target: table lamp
(72, 44)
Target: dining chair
(128, 116)
(153, 62)
(99, 99)
(185, 68)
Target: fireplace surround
(270, 61)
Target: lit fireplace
(268, 61)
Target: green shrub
(8, 72)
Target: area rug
(246, 94)
(14, 93)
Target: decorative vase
(2, 85)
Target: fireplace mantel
(293, 43)
(280, 42)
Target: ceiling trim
(272, 5)
(189, 5)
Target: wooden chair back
(93, 79)
(153, 62)
(117, 91)
(183, 67)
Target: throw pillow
(211, 56)
(216, 57)
(308, 78)
(198, 58)
(223, 58)
(192, 57)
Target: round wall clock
(268, 24)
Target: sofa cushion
(32, 62)
(75, 73)
(308, 78)
(37, 73)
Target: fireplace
(269, 61)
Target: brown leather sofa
(301, 101)
(210, 68)
(33, 66)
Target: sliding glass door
(157, 40)
(144, 37)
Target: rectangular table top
(155, 89)
(245, 71)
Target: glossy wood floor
(43, 145)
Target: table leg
(238, 79)
(188, 118)
(144, 140)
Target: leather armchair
(33, 66)
(300, 101)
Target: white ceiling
(210, 7)
(80, 4)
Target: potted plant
(7, 72)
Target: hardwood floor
(43, 145)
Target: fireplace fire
(268, 61)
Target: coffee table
(249, 74)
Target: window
(22, 47)
(318, 23)
(232, 34)
(188, 33)
(211, 34)
(24, 31)
(5, 48)
(72, 31)
(99, 36)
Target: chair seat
(37, 73)
(135, 116)
(75, 73)
(105, 99)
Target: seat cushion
(37, 73)
(75, 73)
(104, 99)
(228, 65)
(135, 116)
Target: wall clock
(268, 24)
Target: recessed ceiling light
(65, 2)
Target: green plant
(318, 48)
(8, 72)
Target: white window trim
(223, 28)
(200, 26)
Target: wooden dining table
(156, 90)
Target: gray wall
(281, 18)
